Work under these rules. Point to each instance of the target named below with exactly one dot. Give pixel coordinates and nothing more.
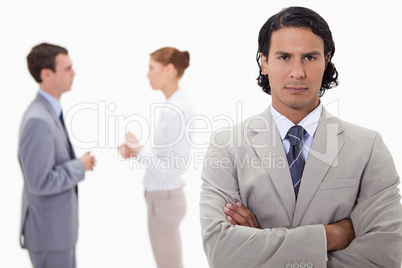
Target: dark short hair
(41, 57)
(298, 17)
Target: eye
(283, 57)
(310, 58)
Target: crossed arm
(338, 235)
(372, 237)
(227, 245)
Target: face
(157, 74)
(295, 68)
(62, 78)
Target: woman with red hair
(163, 183)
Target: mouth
(296, 89)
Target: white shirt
(309, 123)
(169, 155)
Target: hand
(339, 234)
(88, 161)
(132, 143)
(126, 152)
(240, 215)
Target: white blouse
(169, 153)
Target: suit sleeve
(377, 216)
(37, 154)
(237, 246)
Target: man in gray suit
(49, 222)
(296, 186)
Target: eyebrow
(311, 53)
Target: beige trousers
(166, 209)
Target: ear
(327, 58)
(170, 68)
(45, 74)
(264, 63)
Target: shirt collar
(309, 123)
(176, 97)
(52, 100)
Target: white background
(109, 44)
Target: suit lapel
(323, 154)
(267, 144)
(55, 119)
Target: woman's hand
(131, 147)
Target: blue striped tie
(295, 155)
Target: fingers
(122, 150)
(245, 212)
(234, 215)
(240, 215)
(125, 151)
(230, 220)
(91, 160)
(131, 137)
(88, 161)
(132, 141)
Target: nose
(297, 71)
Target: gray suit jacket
(49, 205)
(349, 173)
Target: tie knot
(295, 135)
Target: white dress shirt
(309, 123)
(169, 154)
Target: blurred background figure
(166, 158)
(49, 223)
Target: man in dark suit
(49, 222)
